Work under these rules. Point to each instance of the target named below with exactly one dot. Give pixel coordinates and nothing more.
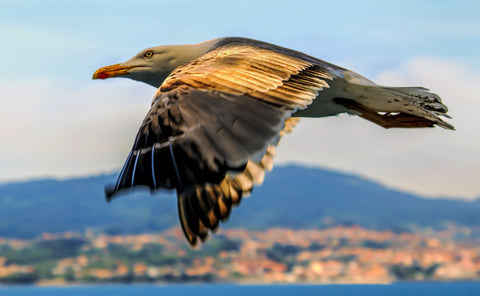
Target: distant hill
(292, 196)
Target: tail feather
(421, 102)
(389, 107)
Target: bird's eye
(148, 54)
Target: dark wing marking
(193, 137)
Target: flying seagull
(221, 107)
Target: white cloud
(427, 161)
(63, 129)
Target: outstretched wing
(212, 127)
(193, 137)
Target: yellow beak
(111, 71)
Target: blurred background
(64, 136)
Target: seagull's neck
(184, 54)
(187, 53)
(205, 46)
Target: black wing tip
(109, 192)
(193, 243)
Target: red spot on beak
(111, 71)
(103, 75)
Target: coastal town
(339, 254)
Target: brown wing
(264, 74)
(213, 126)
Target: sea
(398, 289)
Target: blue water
(410, 289)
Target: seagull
(221, 107)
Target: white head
(154, 64)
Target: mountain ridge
(292, 196)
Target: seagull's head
(153, 65)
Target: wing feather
(233, 187)
(247, 70)
(213, 127)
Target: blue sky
(56, 121)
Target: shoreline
(64, 284)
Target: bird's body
(221, 108)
